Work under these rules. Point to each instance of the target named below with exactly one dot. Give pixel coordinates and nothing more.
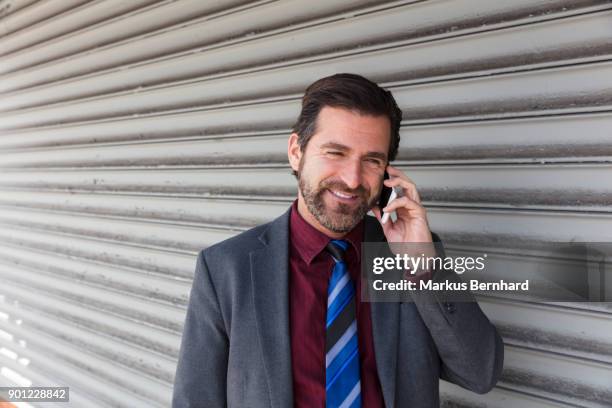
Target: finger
(407, 203)
(407, 185)
(404, 181)
(400, 176)
(395, 172)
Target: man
(275, 317)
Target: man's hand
(411, 224)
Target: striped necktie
(342, 378)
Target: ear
(294, 152)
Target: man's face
(340, 172)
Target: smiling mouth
(343, 196)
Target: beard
(343, 217)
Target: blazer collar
(385, 324)
(270, 282)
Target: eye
(375, 162)
(334, 153)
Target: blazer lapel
(270, 283)
(385, 323)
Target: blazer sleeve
(470, 348)
(201, 372)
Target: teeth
(339, 194)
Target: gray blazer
(236, 350)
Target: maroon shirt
(311, 269)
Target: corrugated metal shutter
(132, 134)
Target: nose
(352, 174)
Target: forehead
(352, 129)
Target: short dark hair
(352, 92)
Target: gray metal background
(134, 133)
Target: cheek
(374, 183)
(319, 170)
(313, 173)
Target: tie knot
(337, 247)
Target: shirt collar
(309, 242)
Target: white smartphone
(387, 195)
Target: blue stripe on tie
(351, 362)
(337, 273)
(339, 387)
(342, 341)
(344, 280)
(342, 244)
(347, 351)
(343, 298)
(342, 374)
(356, 403)
(353, 400)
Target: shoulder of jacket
(241, 243)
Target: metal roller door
(134, 133)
